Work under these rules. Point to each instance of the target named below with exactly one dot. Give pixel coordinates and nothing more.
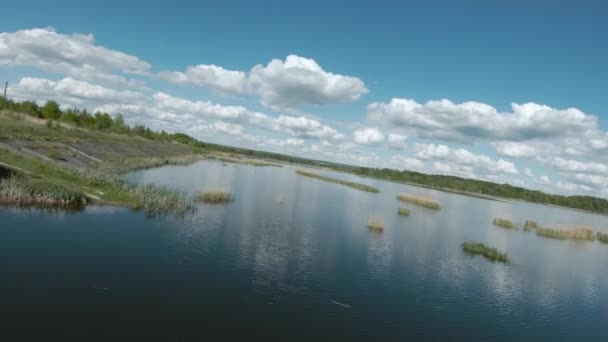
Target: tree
(103, 120)
(31, 108)
(51, 110)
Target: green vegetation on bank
(103, 122)
(602, 237)
(420, 201)
(477, 248)
(39, 183)
(403, 211)
(505, 223)
(339, 181)
(27, 191)
(213, 197)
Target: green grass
(477, 248)
(602, 237)
(420, 201)
(567, 234)
(403, 211)
(505, 223)
(213, 197)
(338, 181)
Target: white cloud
(569, 165)
(528, 172)
(212, 76)
(461, 162)
(74, 55)
(572, 187)
(281, 85)
(407, 163)
(292, 142)
(71, 92)
(368, 136)
(544, 180)
(468, 121)
(396, 141)
(228, 128)
(515, 150)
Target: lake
(291, 257)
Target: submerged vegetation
(567, 234)
(213, 197)
(477, 248)
(403, 211)
(420, 201)
(505, 223)
(339, 181)
(602, 237)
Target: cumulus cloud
(569, 165)
(566, 140)
(396, 141)
(69, 91)
(368, 136)
(281, 85)
(407, 163)
(515, 150)
(462, 162)
(212, 76)
(468, 121)
(74, 55)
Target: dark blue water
(291, 257)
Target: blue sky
(489, 53)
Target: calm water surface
(291, 257)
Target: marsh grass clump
(505, 223)
(602, 237)
(158, 201)
(213, 197)
(22, 190)
(403, 211)
(420, 201)
(339, 181)
(478, 248)
(530, 225)
(567, 234)
(376, 225)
